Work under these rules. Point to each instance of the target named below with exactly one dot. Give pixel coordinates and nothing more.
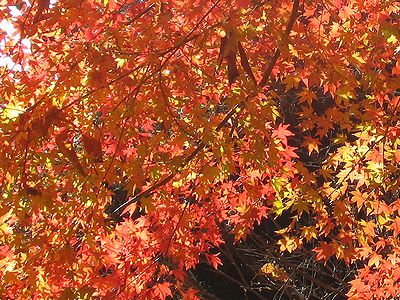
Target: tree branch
(229, 115)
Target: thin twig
(242, 285)
(233, 111)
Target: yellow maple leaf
(311, 144)
(375, 260)
(309, 233)
(275, 271)
(289, 243)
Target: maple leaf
(289, 152)
(375, 260)
(147, 204)
(309, 233)
(357, 286)
(162, 290)
(300, 206)
(312, 144)
(93, 147)
(274, 271)
(324, 251)
(359, 198)
(289, 243)
(292, 82)
(42, 6)
(282, 133)
(395, 226)
(307, 95)
(214, 260)
(81, 90)
(397, 156)
(190, 294)
(369, 227)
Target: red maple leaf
(282, 133)
(324, 251)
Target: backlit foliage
(133, 133)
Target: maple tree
(138, 137)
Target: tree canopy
(138, 137)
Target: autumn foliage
(138, 136)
